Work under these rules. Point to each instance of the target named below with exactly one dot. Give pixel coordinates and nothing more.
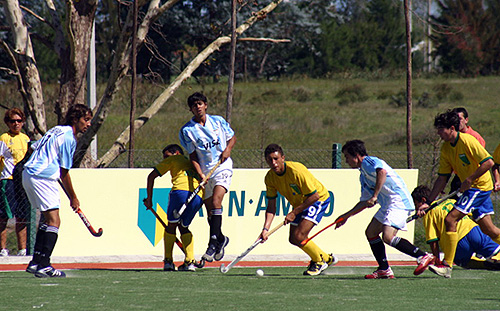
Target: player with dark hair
(184, 181)
(471, 240)
(464, 127)
(51, 159)
(13, 147)
(309, 199)
(209, 140)
(381, 184)
(464, 155)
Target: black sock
(406, 247)
(50, 239)
(378, 250)
(40, 235)
(216, 227)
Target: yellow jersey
(434, 222)
(464, 156)
(12, 150)
(182, 171)
(295, 184)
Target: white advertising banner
(112, 200)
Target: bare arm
(68, 186)
(270, 212)
(361, 205)
(381, 178)
(482, 169)
(435, 251)
(193, 157)
(148, 202)
(496, 178)
(438, 187)
(227, 152)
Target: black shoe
(49, 272)
(219, 252)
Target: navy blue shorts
(476, 202)
(176, 199)
(475, 242)
(313, 213)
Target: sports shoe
(441, 270)
(381, 274)
(4, 252)
(187, 266)
(211, 250)
(21, 252)
(219, 251)
(423, 262)
(315, 268)
(168, 265)
(32, 267)
(49, 272)
(332, 260)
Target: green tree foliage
(469, 39)
(370, 37)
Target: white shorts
(395, 218)
(221, 178)
(43, 193)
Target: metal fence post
(336, 155)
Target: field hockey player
(309, 199)
(463, 154)
(380, 184)
(184, 181)
(209, 140)
(51, 160)
(471, 239)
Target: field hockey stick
(200, 264)
(224, 269)
(339, 220)
(181, 210)
(312, 237)
(82, 216)
(436, 203)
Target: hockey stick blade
(86, 222)
(224, 269)
(436, 203)
(88, 225)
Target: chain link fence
(426, 161)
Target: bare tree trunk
(120, 143)
(230, 84)
(74, 58)
(121, 65)
(133, 90)
(28, 77)
(409, 142)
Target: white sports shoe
(21, 252)
(49, 272)
(187, 266)
(4, 252)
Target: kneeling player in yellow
(470, 238)
(183, 184)
(309, 199)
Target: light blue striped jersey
(53, 151)
(394, 193)
(208, 141)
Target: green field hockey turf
(282, 288)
